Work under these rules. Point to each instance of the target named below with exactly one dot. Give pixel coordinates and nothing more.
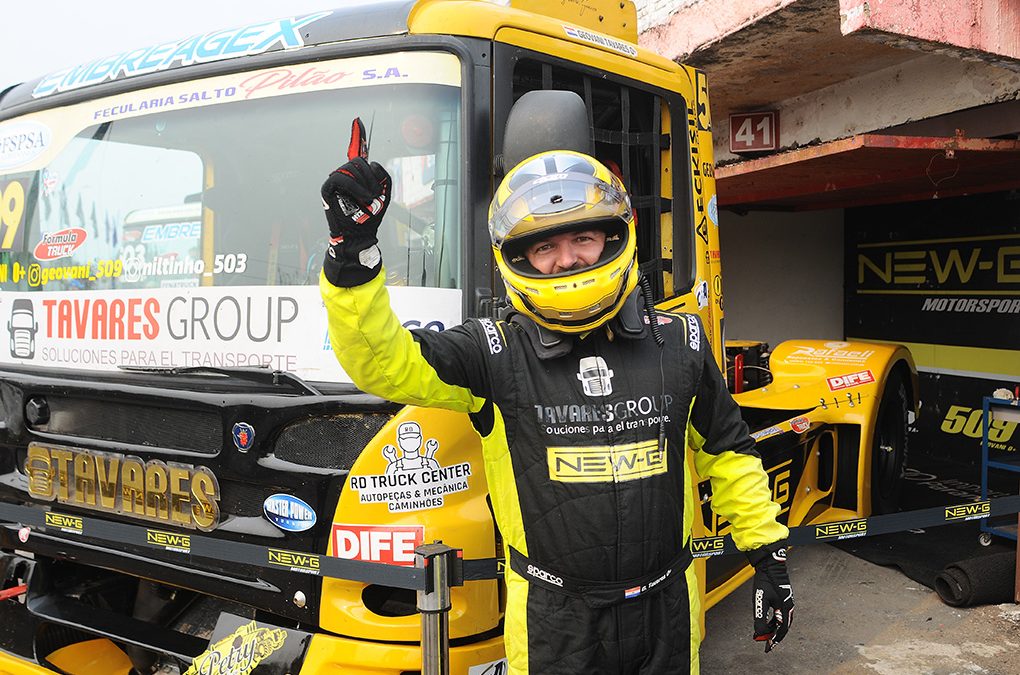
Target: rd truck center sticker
(414, 478)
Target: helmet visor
(553, 201)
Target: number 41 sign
(754, 131)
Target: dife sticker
(60, 244)
(389, 544)
(800, 424)
(850, 380)
(240, 652)
(289, 513)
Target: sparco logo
(693, 333)
(544, 576)
(495, 343)
(759, 596)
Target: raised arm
(424, 368)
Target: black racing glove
(355, 198)
(773, 594)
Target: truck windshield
(214, 184)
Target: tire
(889, 446)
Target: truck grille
(332, 442)
(172, 428)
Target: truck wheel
(889, 446)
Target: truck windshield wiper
(258, 375)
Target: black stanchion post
(443, 569)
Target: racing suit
(584, 443)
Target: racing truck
(180, 453)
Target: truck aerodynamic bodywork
(167, 383)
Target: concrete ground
(855, 617)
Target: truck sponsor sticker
(800, 424)
(388, 544)
(64, 522)
(169, 541)
(414, 479)
(60, 244)
(289, 513)
(830, 352)
(240, 652)
(390, 69)
(224, 44)
(768, 432)
(295, 561)
(701, 293)
(175, 494)
(21, 142)
(850, 380)
(165, 328)
(601, 40)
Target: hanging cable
(653, 321)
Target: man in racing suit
(585, 406)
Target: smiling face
(566, 251)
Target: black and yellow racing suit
(595, 508)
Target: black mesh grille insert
(115, 421)
(242, 499)
(332, 442)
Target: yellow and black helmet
(548, 194)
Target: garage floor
(856, 617)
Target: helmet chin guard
(548, 194)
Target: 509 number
(968, 422)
